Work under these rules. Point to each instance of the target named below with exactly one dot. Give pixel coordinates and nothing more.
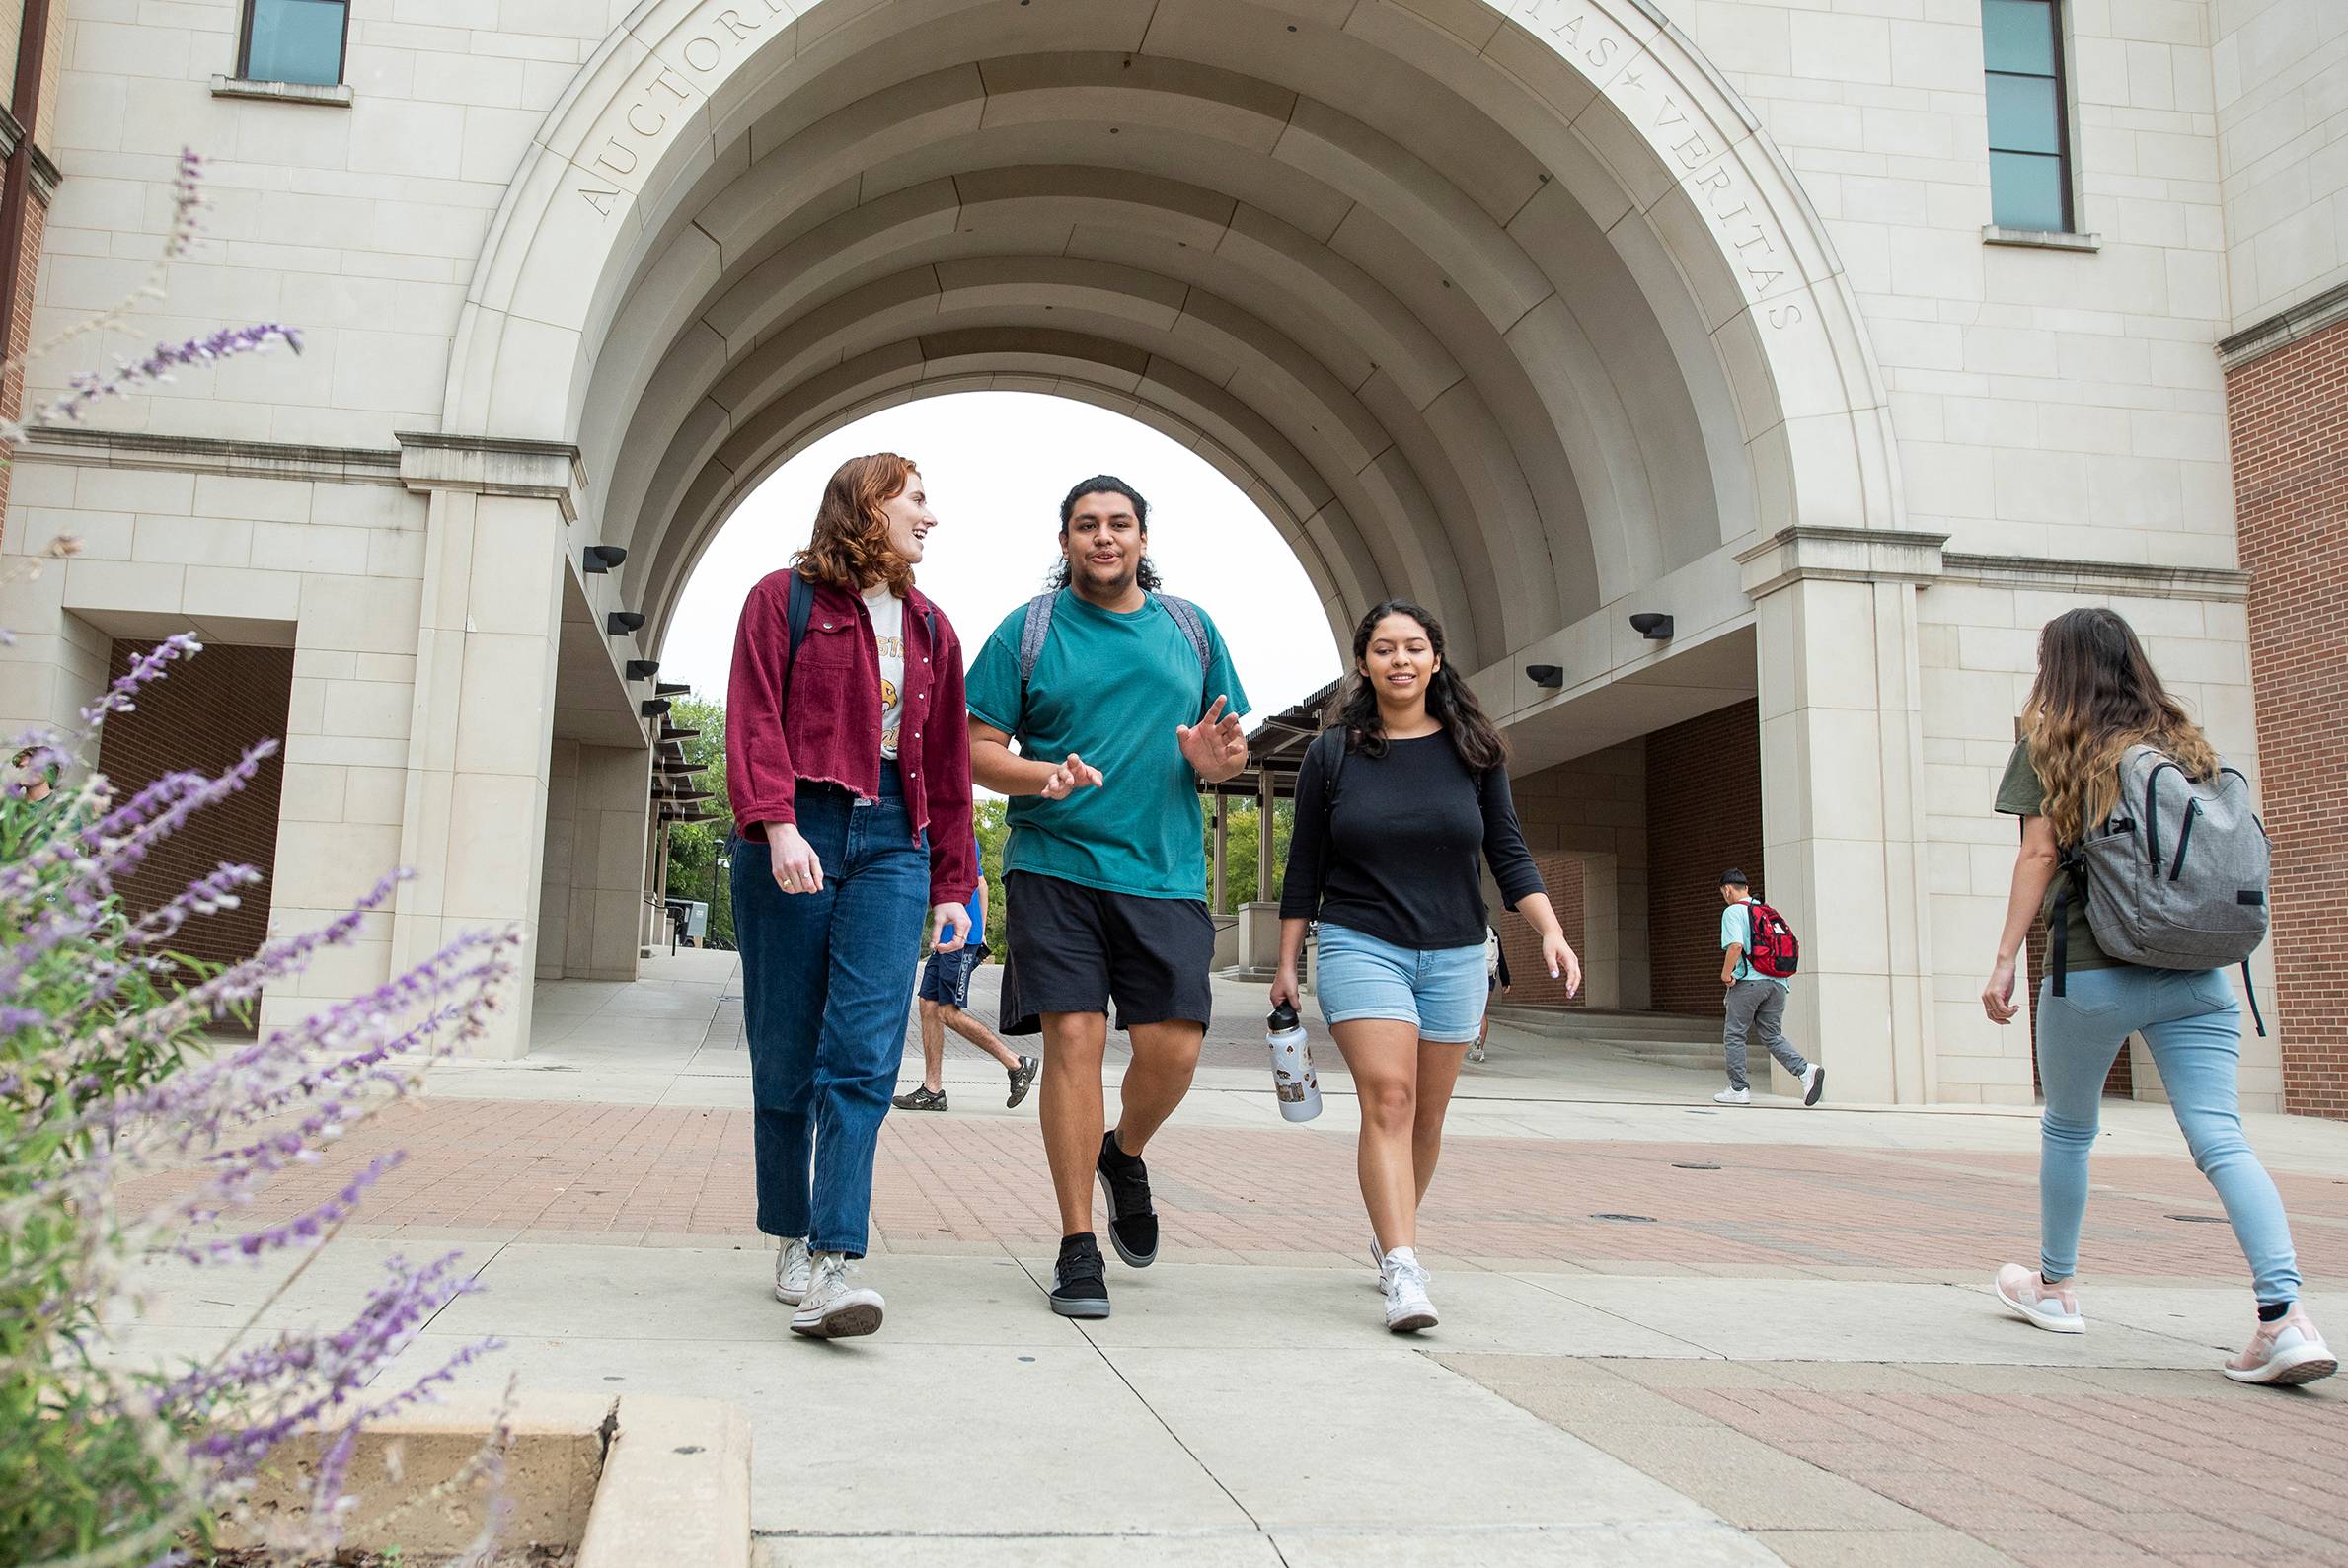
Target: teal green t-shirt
(1110, 688)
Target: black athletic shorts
(1076, 949)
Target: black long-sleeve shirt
(1395, 856)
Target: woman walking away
(2095, 700)
(1394, 805)
(849, 759)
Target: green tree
(694, 847)
(1239, 865)
(992, 819)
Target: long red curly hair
(850, 548)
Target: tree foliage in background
(1239, 866)
(694, 847)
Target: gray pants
(1757, 1007)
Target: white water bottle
(1293, 1082)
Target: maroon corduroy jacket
(832, 732)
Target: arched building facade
(1546, 313)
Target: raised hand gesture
(1216, 747)
(1071, 775)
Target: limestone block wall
(330, 569)
(1977, 643)
(2281, 74)
(591, 892)
(360, 224)
(2048, 402)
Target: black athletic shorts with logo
(1076, 949)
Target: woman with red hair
(848, 760)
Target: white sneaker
(2053, 1307)
(1407, 1309)
(835, 1308)
(1733, 1097)
(1813, 1083)
(793, 1266)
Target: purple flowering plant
(109, 1072)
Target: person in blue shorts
(944, 1004)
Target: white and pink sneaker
(2285, 1352)
(2053, 1307)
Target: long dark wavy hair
(2096, 695)
(1450, 700)
(1147, 573)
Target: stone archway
(1512, 308)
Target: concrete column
(1842, 829)
(1218, 884)
(473, 828)
(1264, 868)
(607, 880)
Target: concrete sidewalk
(1671, 1334)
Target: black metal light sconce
(642, 669)
(621, 623)
(652, 707)
(671, 689)
(602, 557)
(1551, 676)
(1655, 627)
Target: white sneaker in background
(794, 1267)
(2053, 1307)
(1813, 1083)
(1733, 1097)
(1407, 1308)
(835, 1308)
(2288, 1352)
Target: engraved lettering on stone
(604, 159)
(710, 57)
(600, 199)
(1784, 316)
(731, 22)
(660, 121)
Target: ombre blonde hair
(2096, 695)
(850, 545)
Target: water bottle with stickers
(1293, 1082)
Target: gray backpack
(2175, 877)
(1037, 629)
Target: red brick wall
(1703, 815)
(1529, 983)
(20, 333)
(2287, 414)
(203, 716)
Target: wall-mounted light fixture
(620, 622)
(642, 669)
(652, 707)
(1655, 627)
(1552, 676)
(602, 557)
(671, 689)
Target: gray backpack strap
(1034, 632)
(1194, 627)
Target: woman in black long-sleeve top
(1395, 806)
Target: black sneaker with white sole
(1079, 1279)
(1126, 1184)
(1023, 1078)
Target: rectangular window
(2021, 49)
(294, 40)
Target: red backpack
(1774, 951)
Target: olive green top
(2021, 793)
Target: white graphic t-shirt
(888, 640)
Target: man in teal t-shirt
(1118, 724)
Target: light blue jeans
(2194, 1026)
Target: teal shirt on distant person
(1109, 688)
(1736, 930)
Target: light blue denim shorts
(1439, 989)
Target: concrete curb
(635, 1482)
(676, 1487)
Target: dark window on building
(294, 40)
(2021, 45)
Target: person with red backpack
(1758, 956)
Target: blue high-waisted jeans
(2194, 1025)
(826, 989)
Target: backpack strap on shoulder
(1329, 747)
(801, 609)
(1035, 631)
(1194, 627)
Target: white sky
(996, 465)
